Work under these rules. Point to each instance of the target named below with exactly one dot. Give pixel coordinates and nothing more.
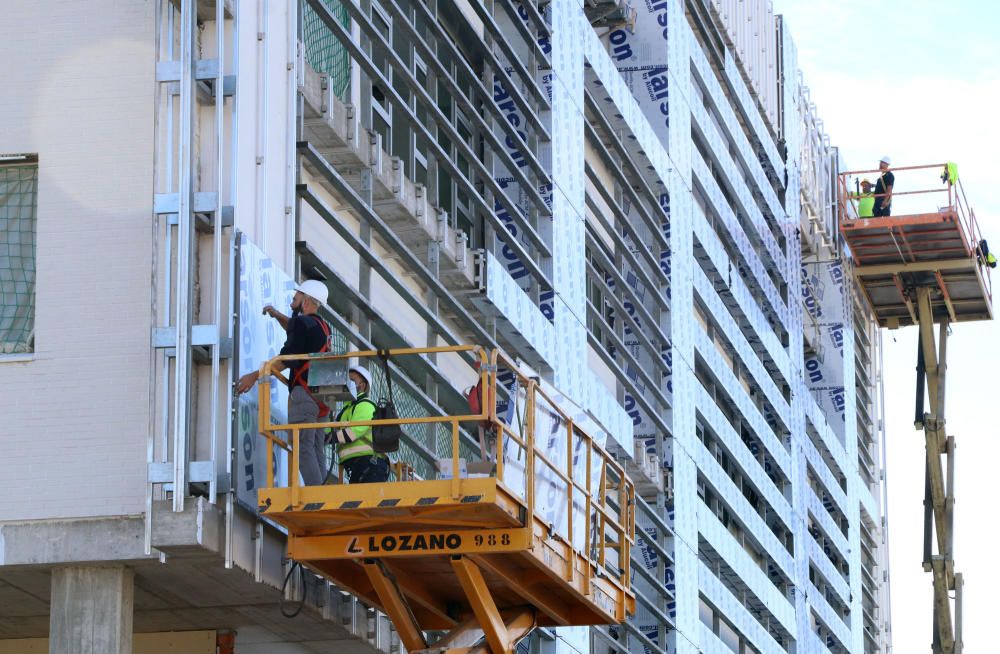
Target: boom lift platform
(921, 269)
(541, 537)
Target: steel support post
(501, 635)
(939, 488)
(395, 606)
(185, 254)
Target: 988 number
(491, 540)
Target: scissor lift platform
(921, 269)
(476, 556)
(416, 528)
(894, 255)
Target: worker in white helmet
(362, 465)
(307, 333)
(883, 188)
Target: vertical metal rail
(217, 252)
(164, 28)
(939, 484)
(185, 256)
(233, 281)
(185, 83)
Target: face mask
(352, 388)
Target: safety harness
(299, 379)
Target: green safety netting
(323, 51)
(423, 442)
(18, 193)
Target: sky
(920, 81)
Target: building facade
(636, 201)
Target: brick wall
(78, 90)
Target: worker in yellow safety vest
(355, 452)
(950, 173)
(866, 200)
(985, 256)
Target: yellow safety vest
(952, 168)
(866, 204)
(360, 409)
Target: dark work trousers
(302, 408)
(367, 470)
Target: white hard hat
(885, 159)
(315, 289)
(361, 370)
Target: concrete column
(91, 610)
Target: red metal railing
(957, 204)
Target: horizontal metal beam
(201, 336)
(445, 158)
(432, 59)
(163, 472)
(654, 225)
(623, 220)
(403, 72)
(204, 202)
(624, 380)
(204, 70)
(653, 347)
(919, 266)
(385, 544)
(503, 41)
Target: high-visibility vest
(866, 204)
(952, 169)
(360, 409)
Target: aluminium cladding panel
(643, 427)
(750, 26)
(510, 112)
(264, 134)
(641, 59)
(826, 297)
(538, 323)
(817, 165)
(261, 283)
(529, 325)
(76, 412)
(791, 119)
(756, 146)
(646, 554)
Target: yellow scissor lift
(541, 539)
(919, 269)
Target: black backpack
(385, 438)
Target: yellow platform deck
(415, 527)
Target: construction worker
(306, 333)
(985, 256)
(361, 463)
(883, 188)
(866, 200)
(950, 173)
